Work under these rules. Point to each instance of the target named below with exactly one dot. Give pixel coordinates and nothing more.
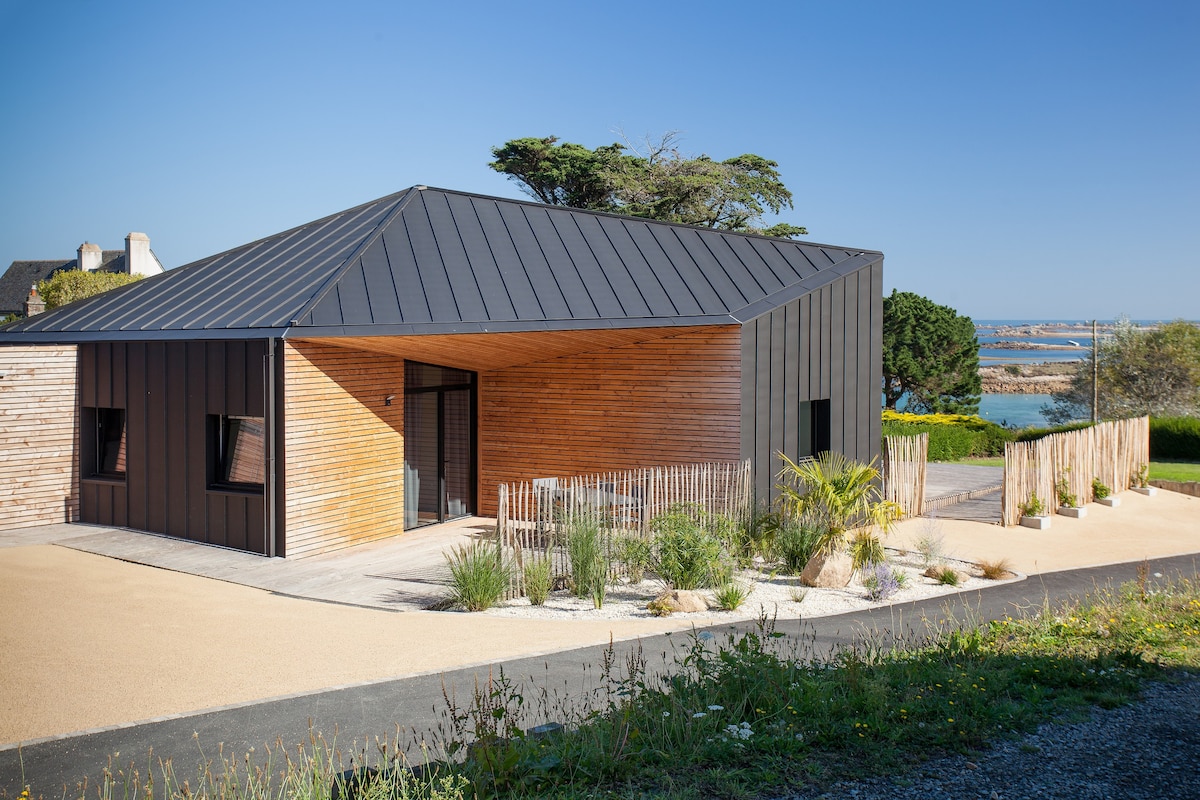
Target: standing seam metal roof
(437, 261)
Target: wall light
(387, 401)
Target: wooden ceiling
(481, 352)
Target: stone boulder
(828, 571)
(683, 601)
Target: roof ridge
(648, 220)
(345, 266)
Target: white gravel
(782, 596)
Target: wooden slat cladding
(38, 436)
(820, 355)
(168, 391)
(671, 400)
(344, 445)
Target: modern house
(390, 365)
(136, 259)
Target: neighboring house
(390, 365)
(137, 259)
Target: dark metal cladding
(430, 260)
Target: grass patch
(1174, 471)
(989, 461)
(756, 715)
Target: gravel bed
(775, 594)
(1150, 749)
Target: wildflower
(666, 713)
(716, 708)
(699, 714)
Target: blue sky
(1011, 159)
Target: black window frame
(224, 431)
(99, 458)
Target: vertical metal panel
(156, 456)
(849, 367)
(104, 375)
(278, 421)
(468, 301)
(218, 523)
(502, 248)
(214, 358)
(120, 505)
(235, 521)
(382, 292)
(595, 279)
(799, 343)
(176, 451)
(235, 379)
(256, 388)
(353, 300)
(775, 438)
(570, 282)
(749, 371)
(762, 408)
(815, 333)
(876, 345)
(89, 505)
(120, 377)
(636, 298)
(135, 436)
(196, 470)
(537, 272)
(791, 379)
(863, 378)
(497, 302)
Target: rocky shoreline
(1046, 378)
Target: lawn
(1174, 471)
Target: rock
(830, 571)
(683, 601)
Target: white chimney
(138, 258)
(89, 256)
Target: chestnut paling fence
(904, 459)
(533, 517)
(1114, 452)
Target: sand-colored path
(88, 641)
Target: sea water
(1014, 410)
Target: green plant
(537, 578)
(635, 555)
(1141, 478)
(996, 570)
(880, 581)
(660, 607)
(796, 542)
(836, 493)
(479, 576)
(1066, 497)
(731, 595)
(587, 553)
(930, 544)
(685, 555)
(1175, 437)
(947, 576)
(865, 548)
(1099, 490)
(1033, 507)
(1012, 369)
(797, 594)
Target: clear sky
(1011, 159)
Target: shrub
(731, 595)
(951, 436)
(1033, 507)
(996, 570)
(683, 553)
(796, 542)
(947, 576)
(479, 576)
(1099, 490)
(537, 579)
(634, 553)
(1175, 437)
(660, 607)
(1033, 434)
(880, 582)
(866, 549)
(1065, 496)
(931, 546)
(588, 555)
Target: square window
(240, 451)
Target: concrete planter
(1072, 511)
(1037, 523)
(1110, 501)
(1149, 491)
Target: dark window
(110, 442)
(239, 451)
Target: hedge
(951, 436)
(1175, 437)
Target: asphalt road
(415, 706)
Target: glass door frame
(441, 390)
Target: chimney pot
(34, 304)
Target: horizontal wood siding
(168, 391)
(38, 436)
(344, 447)
(821, 351)
(668, 401)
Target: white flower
(666, 713)
(699, 714)
(716, 708)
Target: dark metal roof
(436, 261)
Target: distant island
(1046, 378)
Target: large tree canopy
(660, 183)
(1141, 371)
(930, 355)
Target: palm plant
(837, 492)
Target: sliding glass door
(439, 444)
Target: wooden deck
(405, 573)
